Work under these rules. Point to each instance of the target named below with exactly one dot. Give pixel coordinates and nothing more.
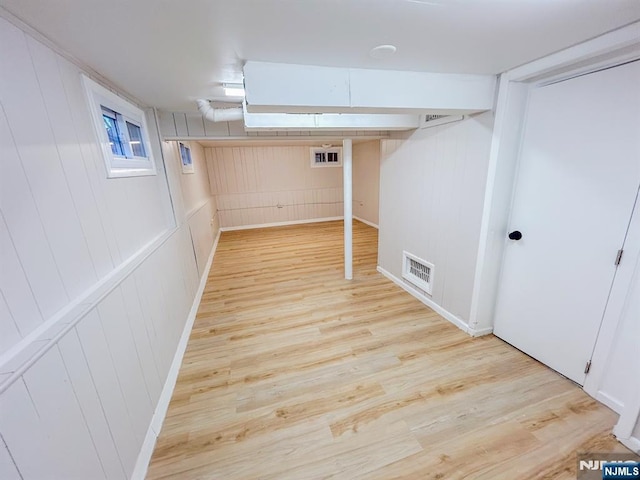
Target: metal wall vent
(427, 121)
(417, 271)
(431, 118)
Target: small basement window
(326, 157)
(185, 156)
(122, 132)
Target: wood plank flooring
(291, 372)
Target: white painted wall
(366, 180)
(199, 205)
(194, 186)
(431, 192)
(250, 182)
(97, 280)
(66, 225)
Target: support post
(348, 207)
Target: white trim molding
(146, 451)
(366, 222)
(629, 418)
(607, 50)
(195, 210)
(24, 354)
(608, 400)
(631, 443)
(621, 298)
(128, 163)
(280, 224)
(458, 322)
(479, 332)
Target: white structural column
(348, 207)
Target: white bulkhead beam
(269, 86)
(283, 88)
(329, 121)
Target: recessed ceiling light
(233, 89)
(382, 51)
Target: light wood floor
(292, 372)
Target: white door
(577, 182)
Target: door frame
(611, 49)
(610, 236)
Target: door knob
(515, 235)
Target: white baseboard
(478, 332)
(609, 401)
(458, 322)
(280, 224)
(144, 457)
(632, 443)
(366, 222)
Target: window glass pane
(184, 155)
(332, 157)
(111, 126)
(135, 140)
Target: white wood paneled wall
(431, 194)
(199, 204)
(366, 180)
(177, 125)
(97, 276)
(64, 225)
(269, 184)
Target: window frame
(127, 165)
(314, 150)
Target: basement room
(287, 239)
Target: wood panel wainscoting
(292, 372)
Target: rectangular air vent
(427, 121)
(417, 271)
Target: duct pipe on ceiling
(219, 114)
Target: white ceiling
(167, 53)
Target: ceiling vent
(427, 121)
(417, 271)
